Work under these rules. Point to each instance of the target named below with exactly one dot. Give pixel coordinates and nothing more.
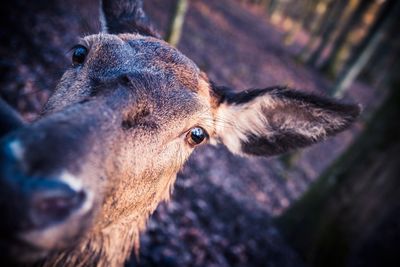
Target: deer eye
(79, 54)
(196, 136)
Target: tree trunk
(305, 12)
(331, 61)
(264, 3)
(322, 11)
(175, 29)
(326, 34)
(384, 59)
(272, 7)
(310, 21)
(351, 215)
(361, 55)
(384, 71)
(278, 8)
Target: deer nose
(34, 201)
(52, 202)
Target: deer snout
(49, 195)
(40, 213)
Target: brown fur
(126, 209)
(119, 124)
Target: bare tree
(175, 29)
(272, 7)
(349, 216)
(331, 61)
(305, 10)
(382, 71)
(322, 13)
(328, 30)
(364, 51)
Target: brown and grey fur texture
(116, 129)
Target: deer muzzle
(45, 201)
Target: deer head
(78, 184)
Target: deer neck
(109, 247)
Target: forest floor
(222, 207)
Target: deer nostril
(58, 205)
(54, 204)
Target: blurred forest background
(333, 204)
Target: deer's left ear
(275, 120)
(125, 16)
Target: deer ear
(9, 119)
(125, 16)
(275, 120)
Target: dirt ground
(222, 208)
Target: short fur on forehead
(130, 52)
(271, 121)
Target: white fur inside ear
(235, 121)
(273, 122)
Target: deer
(78, 184)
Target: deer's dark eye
(196, 136)
(78, 55)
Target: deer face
(119, 126)
(122, 121)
